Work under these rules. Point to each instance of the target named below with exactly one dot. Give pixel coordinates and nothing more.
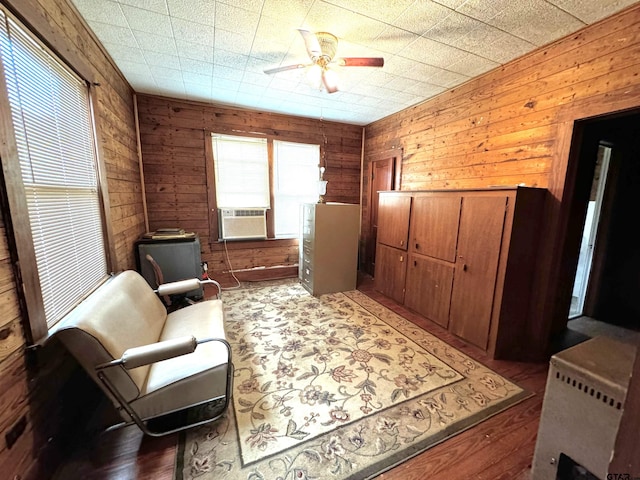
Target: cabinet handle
(402, 243)
(417, 246)
(401, 258)
(464, 267)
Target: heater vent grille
(589, 390)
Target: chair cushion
(193, 378)
(122, 313)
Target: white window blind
(51, 117)
(242, 172)
(296, 178)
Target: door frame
(396, 174)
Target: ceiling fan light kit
(321, 48)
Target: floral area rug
(334, 387)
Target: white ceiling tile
(251, 5)
(228, 73)
(385, 11)
(234, 19)
(233, 42)
(114, 35)
(194, 51)
(433, 53)
(453, 27)
(289, 13)
(344, 24)
(536, 21)
(481, 9)
(203, 11)
(447, 79)
(494, 44)
(198, 91)
(134, 69)
(147, 21)
(472, 65)
(122, 52)
(393, 39)
(592, 11)
(168, 82)
(196, 78)
(157, 6)
(155, 43)
(165, 72)
(193, 32)
(222, 85)
(229, 59)
(257, 79)
(162, 60)
(104, 12)
(422, 16)
(196, 66)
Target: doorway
(384, 174)
(604, 213)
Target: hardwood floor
(501, 447)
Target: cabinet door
(434, 226)
(428, 288)
(391, 269)
(393, 220)
(480, 237)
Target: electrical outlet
(12, 436)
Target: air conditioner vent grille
(243, 224)
(242, 213)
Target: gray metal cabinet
(329, 247)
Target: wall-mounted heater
(242, 224)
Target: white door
(589, 232)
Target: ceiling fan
(321, 48)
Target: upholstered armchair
(163, 371)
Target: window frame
(211, 182)
(27, 278)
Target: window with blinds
(296, 176)
(51, 116)
(242, 172)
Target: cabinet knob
(402, 243)
(401, 258)
(464, 267)
(417, 246)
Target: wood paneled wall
(173, 135)
(44, 397)
(514, 125)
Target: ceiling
(216, 51)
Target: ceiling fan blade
(285, 68)
(330, 81)
(360, 62)
(311, 42)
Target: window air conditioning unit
(241, 224)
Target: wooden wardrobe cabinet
(471, 261)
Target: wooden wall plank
(174, 160)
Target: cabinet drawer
(428, 289)
(307, 275)
(390, 272)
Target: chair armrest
(156, 352)
(183, 286)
